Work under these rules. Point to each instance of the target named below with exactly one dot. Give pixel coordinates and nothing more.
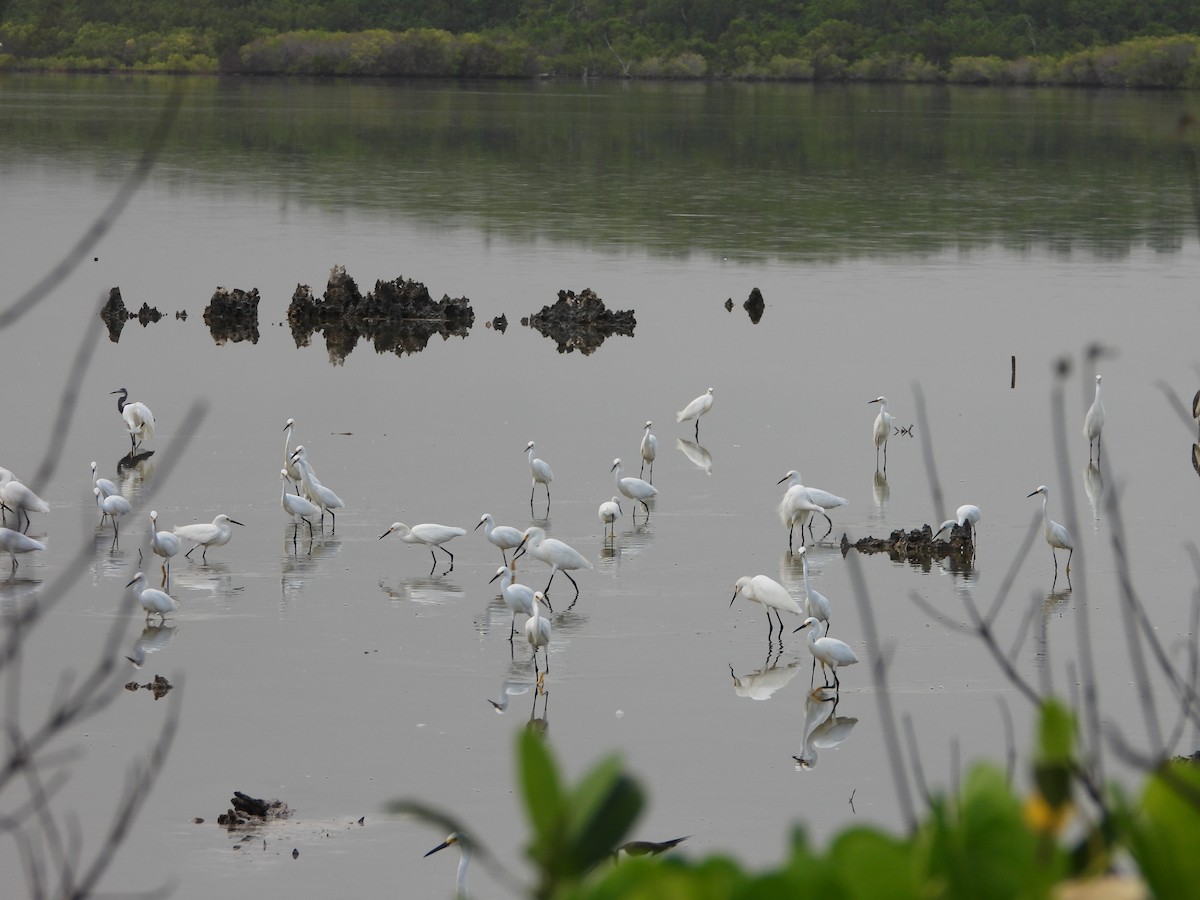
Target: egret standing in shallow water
(560, 557)
(138, 419)
(430, 534)
(517, 597)
(537, 632)
(19, 499)
(771, 595)
(289, 464)
(823, 499)
(882, 429)
(609, 512)
(313, 489)
(154, 601)
(114, 507)
(164, 544)
(649, 451)
(634, 488)
(464, 860)
(541, 473)
(207, 534)
(107, 488)
(503, 536)
(297, 508)
(1093, 423)
(829, 652)
(797, 506)
(1056, 535)
(967, 516)
(15, 542)
(696, 409)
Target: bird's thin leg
(830, 529)
(333, 516)
(646, 506)
(189, 553)
(546, 589)
(310, 529)
(697, 429)
(791, 528)
(652, 471)
(504, 556)
(449, 554)
(204, 555)
(642, 470)
(512, 628)
(1069, 555)
(433, 556)
(546, 657)
(29, 521)
(572, 580)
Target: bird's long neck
(121, 402)
(1046, 510)
(463, 861)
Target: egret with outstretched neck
(771, 595)
(1056, 535)
(163, 544)
(207, 534)
(829, 652)
(464, 859)
(503, 536)
(431, 535)
(559, 556)
(634, 488)
(540, 472)
(649, 450)
(1093, 423)
(882, 429)
(966, 516)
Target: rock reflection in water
(581, 322)
(232, 315)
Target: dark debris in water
(755, 305)
(250, 812)
(159, 687)
(581, 322)
(918, 546)
(233, 315)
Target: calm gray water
(905, 240)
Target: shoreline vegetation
(1117, 43)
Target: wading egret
(314, 490)
(297, 508)
(154, 601)
(816, 604)
(429, 534)
(19, 499)
(537, 631)
(1093, 423)
(634, 488)
(882, 429)
(539, 469)
(771, 595)
(114, 507)
(15, 542)
(138, 419)
(107, 488)
(503, 536)
(829, 652)
(796, 506)
(823, 499)
(464, 859)
(517, 597)
(207, 534)
(560, 557)
(164, 544)
(1056, 535)
(696, 409)
(609, 512)
(649, 450)
(966, 516)
(289, 464)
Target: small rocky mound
(233, 315)
(159, 687)
(399, 316)
(755, 305)
(251, 812)
(581, 322)
(918, 547)
(114, 314)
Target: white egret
(609, 512)
(1093, 423)
(207, 534)
(289, 465)
(314, 490)
(107, 488)
(429, 534)
(815, 604)
(825, 500)
(15, 542)
(770, 594)
(882, 429)
(634, 488)
(539, 469)
(797, 507)
(138, 419)
(1056, 535)
(517, 597)
(649, 450)
(503, 536)
(696, 409)
(829, 652)
(164, 544)
(297, 508)
(559, 556)
(113, 506)
(154, 601)
(464, 859)
(537, 632)
(966, 516)
(19, 499)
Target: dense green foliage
(1103, 42)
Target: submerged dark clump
(919, 546)
(250, 811)
(581, 322)
(233, 315)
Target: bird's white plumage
(163, 543)
(506, 537)
(428, 533)
(1056, 535)
(139, 421)
(539, 471)
(107, 488)
(882, 428)
(296, 508)
(829, 652)
(633, 488)
(15, 542)
(154, 601)
(537, 629)
(1093, 422)
(767, 592)
(517, 597)
(696, 408)
(609, 511)
(816, 604)
(314, 490)
(207, 534)
(21, 500)
(649, 449)
(559, 556)
(967, 514)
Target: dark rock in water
(581, 322)
(148, 314)
(250, 811)
(755, 305)
(159, 687)
(399, 316)
(233, 315)
(114, 314)
(729, 305)
(500, 323)
(918, 547)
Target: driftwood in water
(252, 811)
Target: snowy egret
(429, 534)
(503, 536)
(540, 470)
(649, 450)
(647, 848)
(464, 859)
(966, 516)
(770, 594)
(829, 652)
(815, 604)
(207, 534)
(1056, 535)
(609, 512)
(882, 429)
(559, 556)
(314, 490)
(696, 409)
(164, 544)
(634, 488)
(537, 631)
(114, 507)
(107, 488)
(17, 498)
(15, 542)
(138, 419)
(797, 507)
(517, 597)
(154, 601)
(297, 508)
(823, 499)
(1093, 423)
(289, 465)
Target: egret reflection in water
(152, 639)
(822, 729)
(696, 454)
(760, 685)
